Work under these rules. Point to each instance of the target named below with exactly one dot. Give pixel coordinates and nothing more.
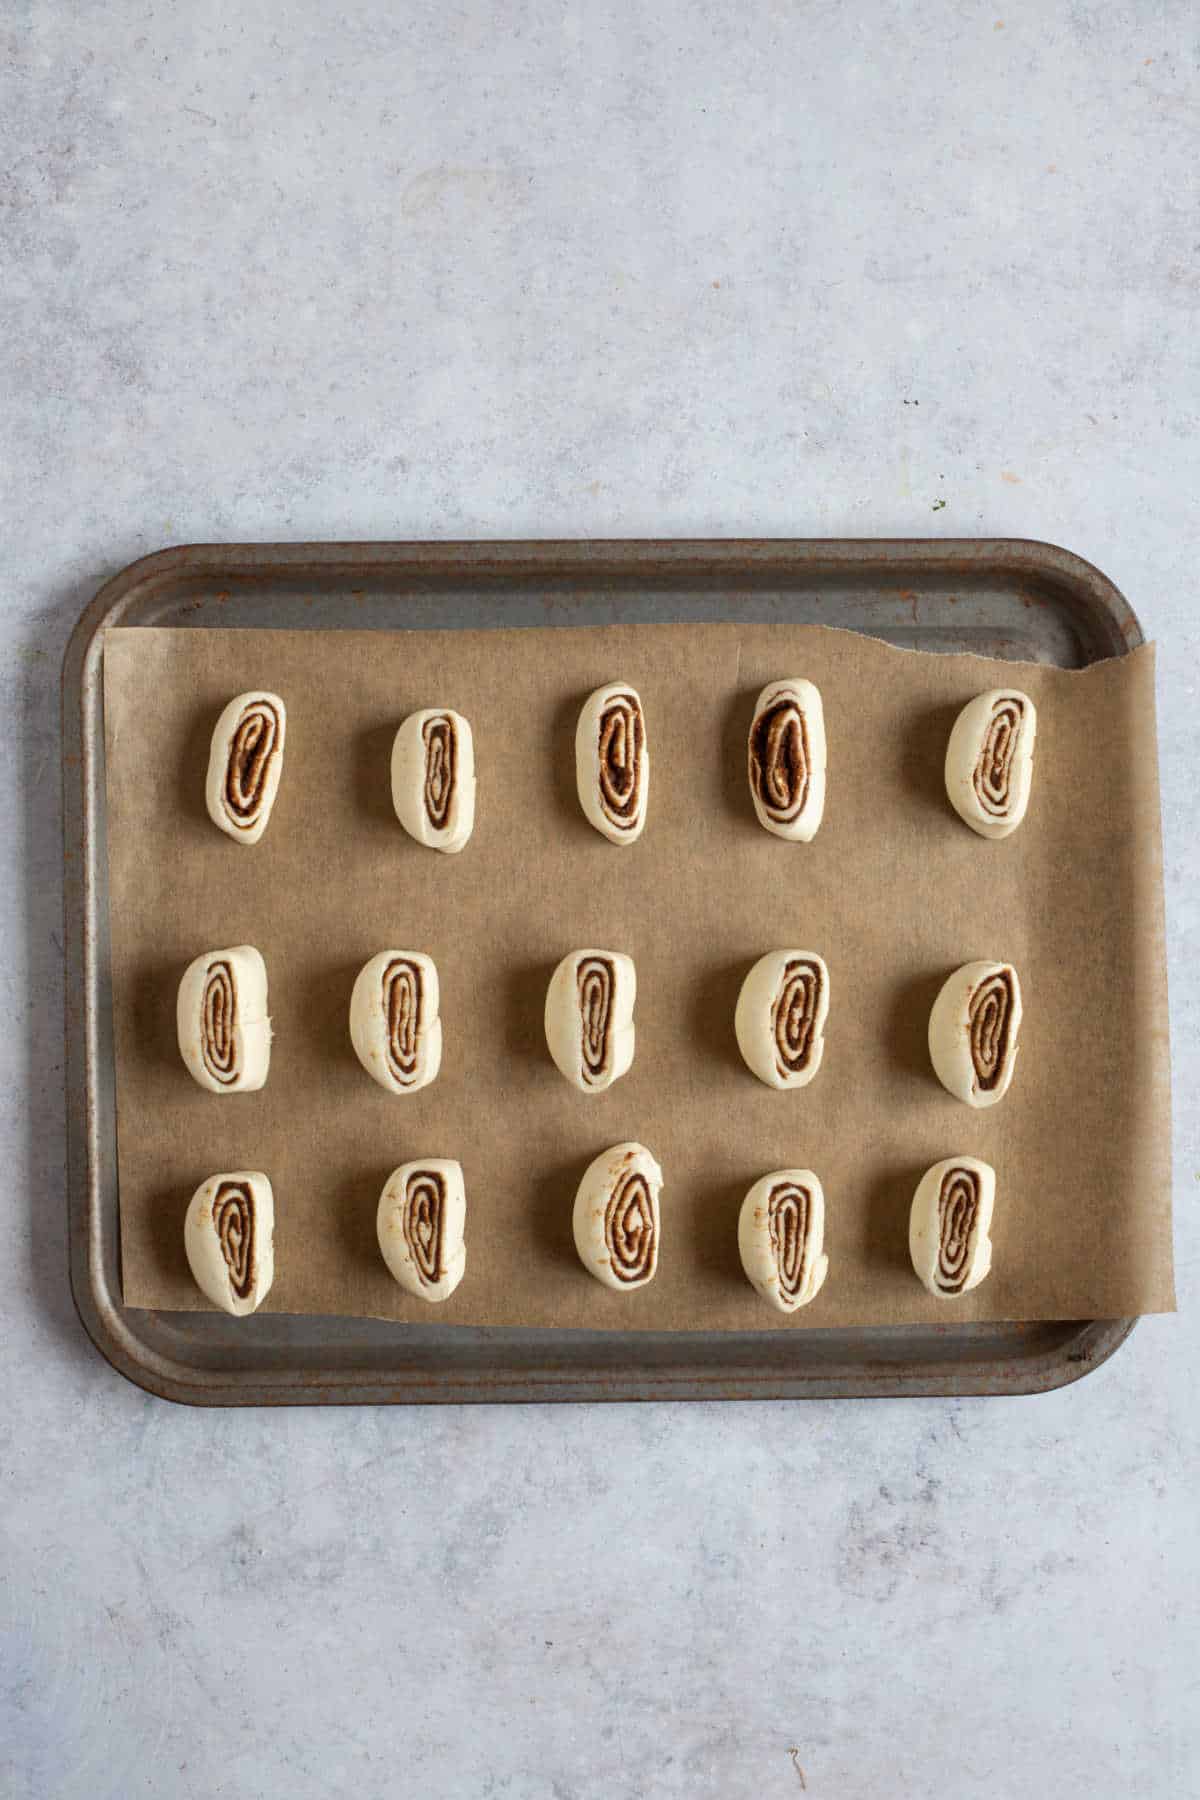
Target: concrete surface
(454, 269)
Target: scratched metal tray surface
(1008, 598)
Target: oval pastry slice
(222, 1020)
(229, 1237)
(612, 762)
(780, 1017)
(244, 765)
(589, 1017)
(433, 779)
(616, 1218)
(420, 1224)
(394, 1023)
(781, 1234)
(989, 761)
(787, 759)
(949, 1224)
(973, 1031)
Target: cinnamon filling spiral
(795, 1017)
(403, 1004)
(994, 768)
(596, 979)
(250, 752)
(958, 1212)
(424, 1218)
(629, 1227)
(990, 1017)
(441, 768)
(218, 1043)
(779, 759)
(789, 1213)
(233, 1220)
(622, 747)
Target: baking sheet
(893, 892)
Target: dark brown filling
(779, 763)
(993, 771)
(441, 768)
(218, 1042)
(789, 1214)
(233, 1220)
(424, 1222)
(250, 753)
(990, 1017)
(795, 1021)
(622, 744)
(596, 981)
(629, 1227)
(958, 1210)
(403, 1003)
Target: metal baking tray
(1007, 598)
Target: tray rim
(1081, 1345)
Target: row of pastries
(421, 1218)
(225, 1035)
(988, 765)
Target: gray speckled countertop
(399, 270)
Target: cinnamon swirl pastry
(244, 765)
(781, 1233)
(787, 759)
(222, 1020)
(394, 1023)
(780, 1017)
(589, 1017)
(612, 762)
(616, 1218)
(229, 1238)
(420, 1223)
(949, 1223)
(973, 1031)
(433, 778)
(989, 761)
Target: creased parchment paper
(894, 892)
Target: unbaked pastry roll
(222, 1020)
(781, 1234)
(394, 1023)
(973, 1032)
(420, 1223)
(787, 759)
(949, 1223)
(989, 761)
(612, 762)
(589, 1017)
(244, 765)
(616, 1218)
(433, 778)
(780, 1017)
(229, 1237)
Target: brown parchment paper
(894, 892)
